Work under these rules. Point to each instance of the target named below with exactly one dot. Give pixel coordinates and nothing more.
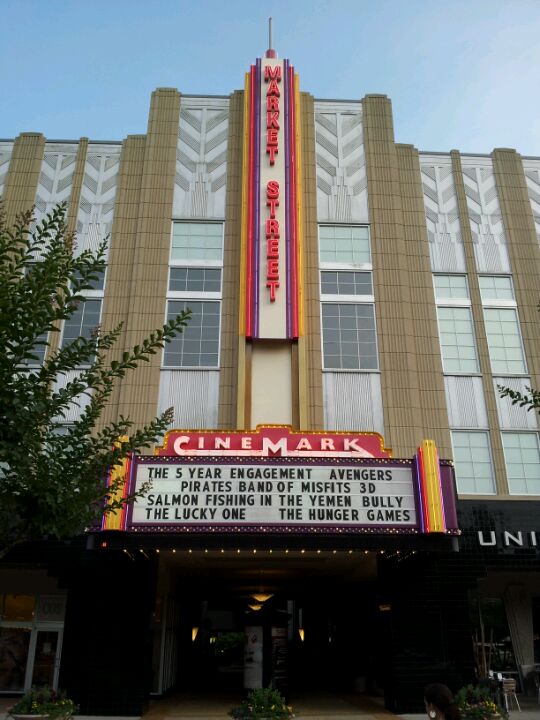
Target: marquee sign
(273, 487)
(271, 217)
(274, 440)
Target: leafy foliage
(52, 475)
(44, 701)
(529, 399)
(477, 703)
(263, 703)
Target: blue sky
(461, 74)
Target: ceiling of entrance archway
(244, 573)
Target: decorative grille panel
(194, 395)
(201, 158)
(98, 193)
(485, 216)
(341, 168)
(6, 148)
(532, 176)
(513, 417)
(442, 218)
(465, 402)
(365, 413)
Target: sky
(461, 74)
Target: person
(440, 703)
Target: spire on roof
(270, 53)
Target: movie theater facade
(344, 501)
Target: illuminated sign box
(274, 479)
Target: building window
(472, 459)
(451, 287)
(83, 322)
(191, 279)
(349, 337)
(197, 241)
(344, 244)
(496, 287)
(195, 283)
(502, 325)
(342, 282)
(198, 345)
(504, 341)
(86, 318)
(456, 334)
(522, 458)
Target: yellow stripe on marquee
(113, 520)
(299, 207)
(243, 231)
(433, 486)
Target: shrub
(262, 703)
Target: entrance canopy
(275, 482)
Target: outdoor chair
(509, 693)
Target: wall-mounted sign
(198, 490)
(271, 219)
(507, 538)
(274, 441)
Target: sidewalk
(311, 706)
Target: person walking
(440, 704)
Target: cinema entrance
(296, 619)
(271, 557)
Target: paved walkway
(312, 706)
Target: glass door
(14, 653)
(46, 658)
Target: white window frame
(327, 265)
(193, 367)
(504, 304)
(459, 301)
(477, 431)
(467, 373)
(195, 296)
(327, 299)
(86, 297)
(518, 432)
(194, 262)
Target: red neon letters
(272, 75)
(272, 239)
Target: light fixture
(302, 633)
(261, 597)
(254, 607)
(194, 633)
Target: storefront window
(491, 636)
(14, 645)
(17, 607)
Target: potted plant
(476, 703)
(262, 704)
(42, 702)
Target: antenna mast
(270, 53)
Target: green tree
(529, 399)
(53, 475)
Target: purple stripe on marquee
(287, 194)
(418, 494)
(449, 496)
(257, 199)
(131, 489)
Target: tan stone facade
(415, 388)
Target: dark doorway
(319, 624)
